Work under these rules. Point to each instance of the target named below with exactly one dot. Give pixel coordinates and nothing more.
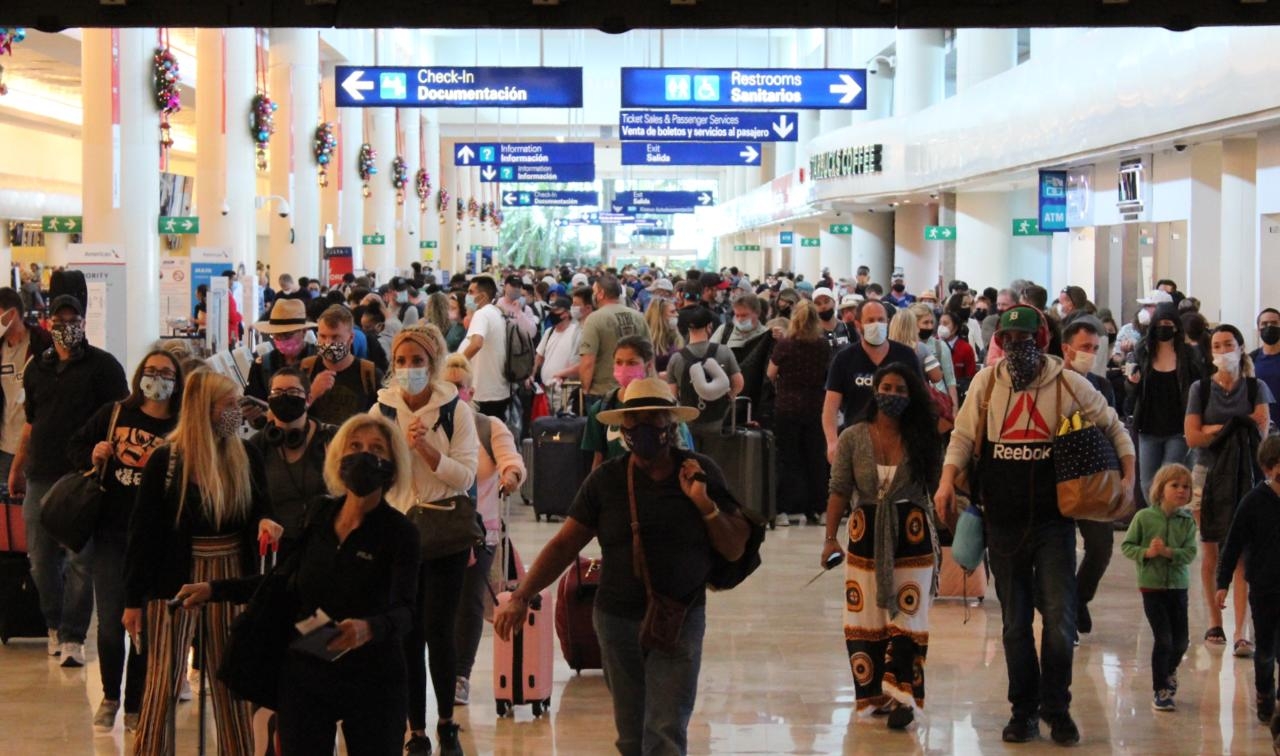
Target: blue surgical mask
(743, 325)
(471, 302)
(402, 297)
(412, 380)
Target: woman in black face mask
(356, 569)
(1165, 366)
(686, 517)
(885, 466)
(293, 447)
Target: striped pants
(168, 641)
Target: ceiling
(623, 15)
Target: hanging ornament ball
(19, 34)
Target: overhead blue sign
(690, 153)
(752, 89)
(697, 126)
(663, 202)
(523, 153)
(653, 232)
(550, 199)
(538, 174)
(786, 238)
(458, 87)
(1053, 201)
(613, 219)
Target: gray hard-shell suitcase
(748, 457)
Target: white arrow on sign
(509, 198)
(488, 172)
(749, 154)
(619, 208)
(946, 233)
(186, 225)
(465, 154)
(354, 84)
(782, 128)
(846, 87)
(71, 224)
(704, 199)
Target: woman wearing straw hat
(686, 515)
(287, 327)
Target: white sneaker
(781, 521)
(184, 692)
(55, 646)
(462, 692)
(105, 718)
(72, 655)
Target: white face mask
(673, 323)
(875, 333)
(1229, 362)
(575, 312)
(1144, 316)
(743, 325)
(944, 332)
(1082, 362)
(155, 388)
(412, 380)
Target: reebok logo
(1022, 452)
(1024, 422)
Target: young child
(1255, 533)
(1162, 540)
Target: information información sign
(458, 87)
(661, 202)
(689, 153)
(737, 88)
(695, 126)
(550, 199)
(523, 153)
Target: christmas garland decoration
(324, 145)
(9, 38)
(399, 177)
(442, 203)
(367, 167)
(495, 215)
(484, 213)
(422, 186)
(164, 90)
(262, 124)
(462, 209)
(473, 210)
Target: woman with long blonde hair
(663, 333)
(798, 369)
(905, 329)
(199, 511)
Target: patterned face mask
(333, 352)
(1023, 358)
(68, 335)
(227, 424)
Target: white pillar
(294, 87)
(919, 80)
(410, 217)
(226, 170)
(431, 229)
(983, 53)
(380, 207)
(920, 260)
(1239, 233)
(345, 177)
(462, 229)
(871, 244)
(807, 128)
(839, 47)
(1046, 41)
(1031, 257)
(807, 261)
(1205, 273)
(836, 252)
(983, 236)
(121, 173)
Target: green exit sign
(841, 228)
(373, 240)
(1028, 227)
(804, 242)
(428, 244)
(746, 248)
(179, 224)
(939, 233)
(62, 224)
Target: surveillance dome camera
(284, 210)
(933, 195)
(226, 208)
(1180, 147)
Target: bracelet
(714, 514)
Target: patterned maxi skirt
(887, 655)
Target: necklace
(884, 472)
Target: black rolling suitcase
(560, 465)
(748, 457)
(20, 615)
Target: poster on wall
(339, 260)
(207, 263)
(175, 293)
(215, 332)
(104, 275)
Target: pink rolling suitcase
(522, 666)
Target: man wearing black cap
(557, 354)
(65, 386)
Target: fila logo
(1024, 422)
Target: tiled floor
(775, 680)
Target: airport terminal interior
(1117, 160)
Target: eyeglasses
(166, 374)
(296, 392)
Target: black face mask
(926, 334)
(287, 408)
(646, 441)
(826, 314)
(964, 313)
(1165, 333)
(1270, 334)
(364, 472)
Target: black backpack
(710, 411)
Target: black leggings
(316, 695)
(802, 454)
(434, 620)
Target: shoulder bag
(663, 615)
(1087, 469)
(70, 511)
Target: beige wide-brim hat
(286, 315)
(647, 395)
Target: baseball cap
(1155, 297)
(849, 300)
(549, 280)
(823, 291)
(579, 279)
(699, 317)
(663, 284)
(515, 281)
(66, 300)
(1020, 318)
(804, 286)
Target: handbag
(943, 408)
(663, 615)
(447, 526)
(70, 511)
(1087, 470)
(258, 642)
(969, 542)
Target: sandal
(1243, 649)
(1214, 636)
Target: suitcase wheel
(504, 708)
(537, 708)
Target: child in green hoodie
(1162, 540)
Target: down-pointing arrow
(749, 154)
(488, 173)
(355, 85)
(782, 127)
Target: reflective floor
(775, 680)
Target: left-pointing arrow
(509, 198)
(355, 85)
(749, 154)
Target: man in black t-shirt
(342, 385)
(849, 378)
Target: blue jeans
(653, 692)
(1155, 452)
(1032, 570)
(64, 579)
(108, 587)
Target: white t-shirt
(486, 364)
(559, 350)
(12, 361)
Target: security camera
(284, 210)
(226, 208)
(1180, 147)
(933, 195)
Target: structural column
(431, 229)
(807, 260)
(983, 53)
(121, 174)
(919, 80)
(838, 49)
(1239, 234)
(871, 243)
(226, 171)
(295, 88)
(410, 225)
(920, 260)
(983, 228)
(836, 252)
